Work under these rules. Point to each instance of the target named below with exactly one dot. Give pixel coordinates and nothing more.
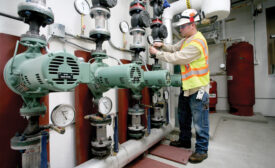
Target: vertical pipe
(44, 158)
(123, 105)
(83, 106)
(167, 113)
(148, 121)
(9, 110)
(116, 135)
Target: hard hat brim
(181, 22)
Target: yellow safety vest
(196, 74)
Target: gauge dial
(124, 27)
(63, 115)
(105, 105)
(82, 7)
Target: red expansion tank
(240, 78)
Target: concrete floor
(241, 142)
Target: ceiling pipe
(220, 8)
(176, 8)
(129, 150)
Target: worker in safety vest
(192, 54)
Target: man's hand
(158, 44)
(153, 50)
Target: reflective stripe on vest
(203, 45)
(196, 73)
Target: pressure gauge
(82, 7)
(166, 95)
(124, 27)
(104, 105)
(63, 115)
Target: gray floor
(235, 142)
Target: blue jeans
(188, 108)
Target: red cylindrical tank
(213, 96)
(240, 78)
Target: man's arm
(182, 57)
(169, 47)
(172, 48)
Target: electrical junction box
(57, 30)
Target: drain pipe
(129, 150)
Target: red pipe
(123, 105)
(10, 104)
(83, 106)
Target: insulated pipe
(129, 150)
(176, 8)
(220, 8)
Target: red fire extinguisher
(213, 96)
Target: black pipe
(12, 17)
(236, 2)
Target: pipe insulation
(219, 8)
(179, 6)
(129, 150)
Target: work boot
(197, 157)
(180, 143)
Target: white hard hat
(187, 16)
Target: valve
(104, 3)
(159, 32)
(136, 129)
(36, 14)
(101, 144)
(141, 19)
(157, 7)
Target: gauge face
(63, 115)
(124, 27)
(105, 105)
(82, 7)
(166, 95)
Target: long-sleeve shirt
(174, 55)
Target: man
(192, 54)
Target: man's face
(185, 29)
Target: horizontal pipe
(129, 150)
(11, 17)
(264, 98)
